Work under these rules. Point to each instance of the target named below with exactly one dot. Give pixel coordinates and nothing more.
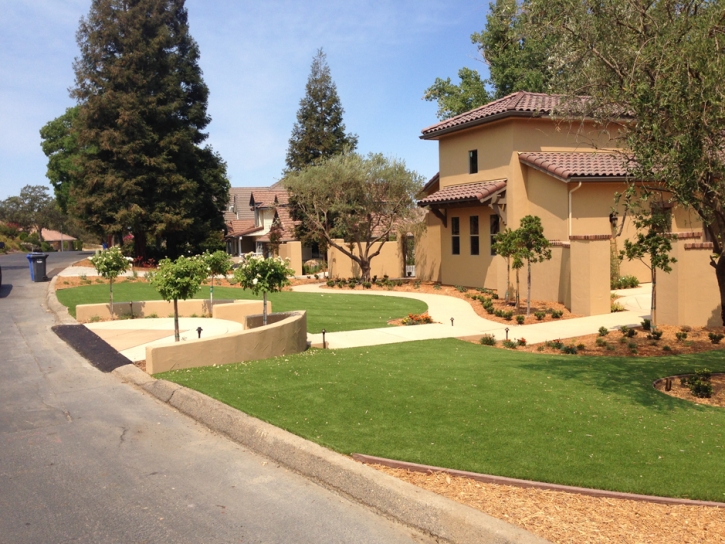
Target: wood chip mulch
(683, 392)
(571, 518)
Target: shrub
(494, 296)
(330, 283)
(646, 324)
(556, 314)
(699, 383)
(680, 335)
(631, 333)
(603, 331)
(632, 346)
(623, 340)
(655, 334)
(367, 285)
(686, 328)
(521, 341)
(507, 315)
(625, 282)
(437, 286)
(715, 337)
(609, 347)
(624, 329)
(569, 350)
(666, 348)
(95, 319)
(554, 344)
(509, 344)
(581, 347)
(488, 340)
(540, 315)
(601, 342)
(417, 319)
(352, 284)
(416, 284)
(540, 348)
(520, 319)
(461, 289)
(152, 316)
(616, 307)
(489, 309)
(498, 313)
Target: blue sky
(256, 58)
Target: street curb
(61, 312)
(423, 510)
(531, 484)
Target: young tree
(653, 241)
(531, 246)
(319, 132)
(111, 263)
(505, 245)
(141, 114)
(517, 61)
(653, 72)
(179, 279)
(358, 199)
(34, 208)
(263, 276)
(218, 263)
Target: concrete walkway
(466, 323)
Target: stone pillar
(590, 290)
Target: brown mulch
(571, 518)
(697, 341)
(140, 364)
(683, 392)
(433, 288)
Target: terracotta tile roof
(55, 236)
(431, 183)
(516, 104)
(267, 198)
(569, 165)
(239, 200)
(241, 227)
(464, 193)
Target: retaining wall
(231, 310)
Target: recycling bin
(37, 266)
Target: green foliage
(603, 331)
(624, 329)
(616, 307)
(367, 285)
(219, 263)
(540, 315)
(680, 335)
(142, 111)
(601, 342)
(461, 289)
(646, 324)
(625, 282)
(521, 341)
(655, 334)
(60, 145)
(507, 315)
(180, 279)
(488, 340)
(510, 344)
(330, 283)
(354, 198)
(34, 208)
(436, 286)
(554, 344)
(569, 350)
(417, 319)
(319, 132)
(700, 383)
(110, 263)
(455, 99)
(520, 319)
(261, 275)
(715, 337)
(556, 314)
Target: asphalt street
(87, 458)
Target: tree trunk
(720, 274)
(518, 283)
(176, 320)
(653, 304)
(264, 308)
(508, 279)
(111, 283)
(365, 270)
(139, 244)
(528, 296)
(211, 295)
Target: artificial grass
(332, 312)
(587, 421)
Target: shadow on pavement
(5, 289)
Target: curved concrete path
(466, 323)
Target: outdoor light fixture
(198, 331)
(507, 333)
(324, 345)
(451, 321)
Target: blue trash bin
(36, 261)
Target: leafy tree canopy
(34, 208)
(140, 120)
(319, 132)
(354, 198)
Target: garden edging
(404, 502)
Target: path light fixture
(324, 345)
(198, 331)
(507, 333)
(451, 321)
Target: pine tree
(141, 116)
(319, 132)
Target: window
(474, 235)
(455, 236)
(473, 161)
(495, 228)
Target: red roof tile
(238, 207)
(569, 165)
(464, 193)
(267, 198)
(241, 227)
(520, 103)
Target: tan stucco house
(510, 158)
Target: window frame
(494, 220)
(473, 161)
(455, 235)
(473, 225)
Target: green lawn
(333, 312)
(587, 421)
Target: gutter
(570, 192)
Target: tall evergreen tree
(141, 116)
(319, 132)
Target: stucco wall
(282, 338)
(689, 295)
(590, 294)
(389, 261)
(293, 252)
(222, 309)
(428, 250)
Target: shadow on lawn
(629, 378)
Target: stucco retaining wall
(222, 309)
(389, 261)
(282, 338)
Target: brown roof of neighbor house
(569, 166)
(239, 201)
(55, 236)
(520, 104)
(464, 193)
(242, 227)
(267, 198)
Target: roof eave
(482, 121)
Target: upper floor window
(474, 235)
(473, 161)
(455, 235)
(495, 228)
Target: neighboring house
(59, 240)
(508, 159)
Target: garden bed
(474, 298)
(683, 391)
(616, 344)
